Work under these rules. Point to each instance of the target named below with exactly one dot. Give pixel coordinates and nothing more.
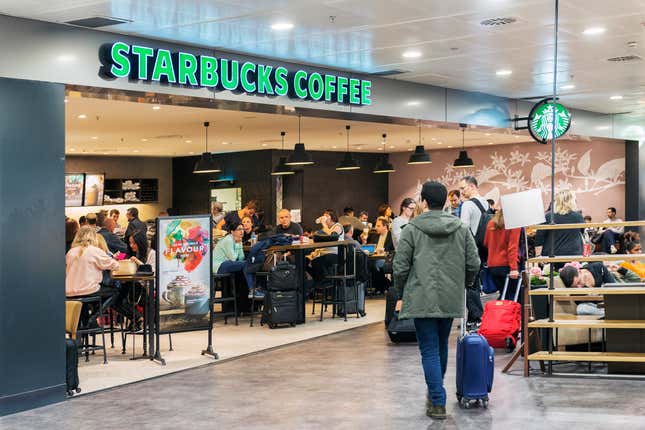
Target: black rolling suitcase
(398, 330)
(280, 307)
(351, 306)
(71, 364)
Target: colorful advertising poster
(94, 186)
(184, 273)
(74, 189)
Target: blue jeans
(432, 335)
(237, 266)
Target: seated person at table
(236, 216)
(323, 259)
(285, 226)
(114, 244)
(85, 263)
(638, 267)
(349, 218)
(349, 236)
(228, 257)
(384, 245)
(364, 218)
(142, 253)
(382, 237)
(592, 275)
(247, 224)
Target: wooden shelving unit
(116, 188)
(555, 322)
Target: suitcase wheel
(78, 390)
(508, 343)
(292, 324)
(485, 404)
(272, 326)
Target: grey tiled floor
(352, 380)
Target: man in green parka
(435, 260)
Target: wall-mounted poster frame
(94, 189)
(74, 189)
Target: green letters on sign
(122, 60)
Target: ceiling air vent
(97, 21)
(625, 59)
(496, 22)
(389, 72)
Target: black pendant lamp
(419, 156)
(281, 168)
(348, 162)
(384, 166)
(463, 160)
(299, 156)
(206, 163)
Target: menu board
(184, 273)
(94, 186)
(74, 189)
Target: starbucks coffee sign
(542, 117)
(124, 61)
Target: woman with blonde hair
(85, 263)
(565, 242)
(503, 251)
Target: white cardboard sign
(523, 209)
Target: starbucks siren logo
(541, 121)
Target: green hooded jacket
(436, 258)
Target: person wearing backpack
(475, 214)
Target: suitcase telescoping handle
(517, 288)
(463, 323)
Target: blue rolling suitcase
(475, 368)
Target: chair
(340, 284)
(93, 307)
(265, 278)
(72, 317)
(225, 284)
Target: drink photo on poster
(74, 183)
(94, 189)
(184, 273)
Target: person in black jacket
(134, 225)
(114, 244)
(565, 242)
(382, 237)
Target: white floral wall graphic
(508, 174)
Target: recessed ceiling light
(72, 149)
(93, 137)
(156, 107)
(224, 143)
(503, 72)
(593, 30)
(449, 146)
(413, 103)
(490, 143)
(439, 143)
(334, 147)
(105, 153)
(411, 54)
(264, 144)
(135, 150)
(144, 140)
(188, 141)
(380, 148)
(616, 98)
(602, 127)
(66, 100)
(282, 26)
(359, 147)
(391, 146)
(567, 87)
(82, 116)
(433, 139)
(486, 134)
(191, 152)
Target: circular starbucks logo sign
(542, 117)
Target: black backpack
(484, 219)
(282, 277)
